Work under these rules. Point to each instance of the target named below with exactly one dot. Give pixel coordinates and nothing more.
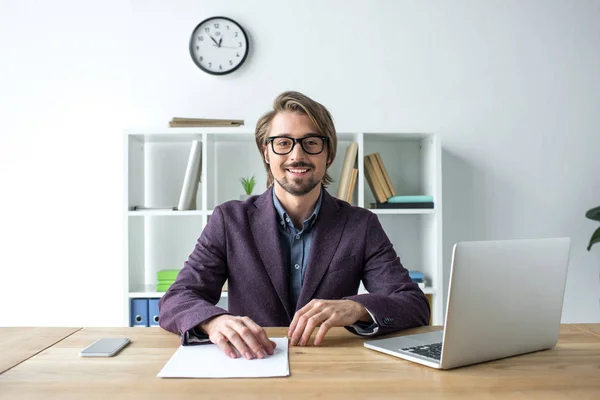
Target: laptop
(505, 298)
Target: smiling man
(293, 256)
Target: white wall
(512, 87)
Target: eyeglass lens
(310, 144)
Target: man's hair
(298, 103)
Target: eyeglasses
(283, 145)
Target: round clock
(219, 45)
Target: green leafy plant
(594, 214)
(248, 184)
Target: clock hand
(213, 39)
(220, 40)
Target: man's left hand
(325, 314)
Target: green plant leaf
(593, 214)
(248, 184)
(594, 239)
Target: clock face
(219, 45)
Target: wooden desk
(19, 344)
(340, 368)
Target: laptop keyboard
(433, 351)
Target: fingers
(243, 334)
(223, 344)
(260, 334)
(323, 329)
(238, 340)
(297, 316)
(244, 339)
(306, 323)
(311, 324)
(324, 314)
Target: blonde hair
(298, 103)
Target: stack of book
(378, 179)
(396, 202)
(418, 278)
(178, 122)
(165, 278)
(349, 174)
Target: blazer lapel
(326, 238)
(263, 224)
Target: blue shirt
(296, 245)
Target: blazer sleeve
(192, 297)
(394, 300)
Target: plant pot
(244, 197)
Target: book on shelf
(193, 175)
(399, 206)
(350, 193)
(418, 278)
(373, 181)
(410, 199)
(179, 122)
(142, 208)
(379, 176)
(386, 177)
(347, 167)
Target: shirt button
(287, 220)
(297, 237)
(296, 266)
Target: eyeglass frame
(271, 139)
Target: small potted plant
(594, 214)
(248, 185)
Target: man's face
(297, 172)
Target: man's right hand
(241, 333)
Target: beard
(298, 186)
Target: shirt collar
(282, 214)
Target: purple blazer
(241, 243)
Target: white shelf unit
(163, 239)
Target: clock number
(227, 27)
(209, 64)
(230, 62)
(197, 47)
(216, 26)
(240, 44)
(237, 54)
(236, 34)
(200, 38)
(220, 66)
(201, 59)
(207, 30)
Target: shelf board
(166, 212)
(402, 211)
(412, 211)
(171, 135)
(149, 291)
(426, 290)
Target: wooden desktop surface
(19, 344)
(340, 368)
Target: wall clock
(219, 45)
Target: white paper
(209, 361)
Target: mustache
(298, 164)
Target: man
(293, 255)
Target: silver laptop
(504, 298)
